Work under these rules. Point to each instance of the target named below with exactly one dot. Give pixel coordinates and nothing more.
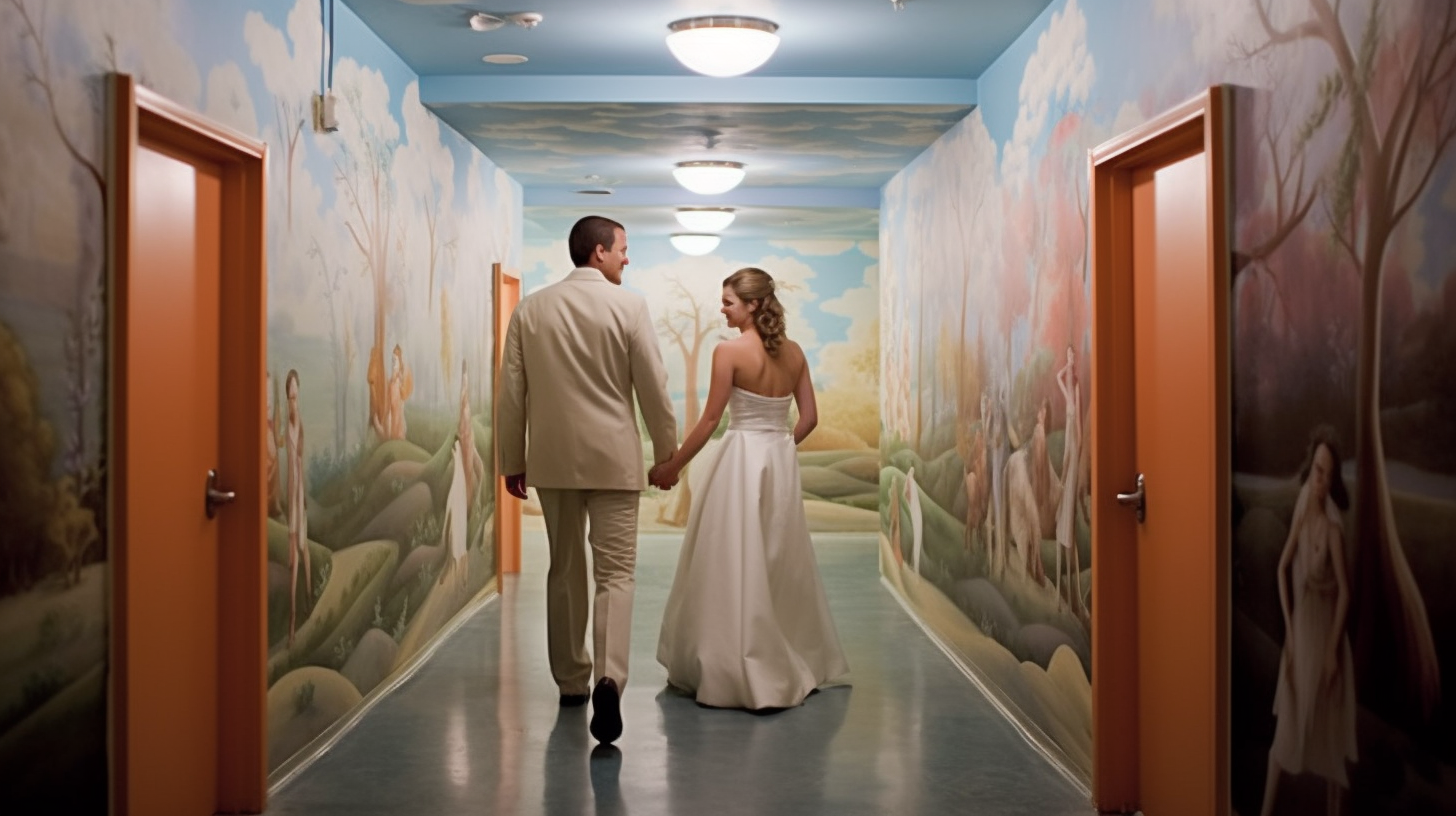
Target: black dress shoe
(606, 721)
(574, 700)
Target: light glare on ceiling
(722, 46)
(708, 177)
(694, 243)
(705, 219)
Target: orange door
(1159, 372)
(507, 507)
(1174, 399)
(174, 681)
(189, 579)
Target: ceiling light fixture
(708, 177)
(705, 219)
(722, 46)
(690, 243)
(504, 59)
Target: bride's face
(738, 314)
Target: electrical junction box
(325, 116)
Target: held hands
(663, 476)
(516, 485)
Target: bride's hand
(663, 476)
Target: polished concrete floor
(477, 730)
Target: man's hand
(516, 485)
(663, 476)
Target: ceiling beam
(760, 90)
(857, 197)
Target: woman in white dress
(747, 624)
(1314, 699)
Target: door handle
(1138, 499)
(215, 497)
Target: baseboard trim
(320, 745)
(1034, 736)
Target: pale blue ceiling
(855, 91)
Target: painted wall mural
(827, 271)
(381, 241)
(1344, 195)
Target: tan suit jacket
(575, 354)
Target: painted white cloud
(544, 264)
(289, 62)
(1129, 116)
(228, 99)
(1061, 70)
(823, 248)
(862, 306)
(871, 249)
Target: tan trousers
(613, 534)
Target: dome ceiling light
(722, 46)
(689, 243)
(708, 177)
(705, 219)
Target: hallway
(477, 729)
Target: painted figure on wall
(1314, 702)
(390, 423)
(1071, 484)
(472, 466)
(977, 483)
(455, 527)
(1031, 497)
(297, 506)
(272, 441)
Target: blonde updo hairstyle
(753, 285)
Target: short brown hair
(589, 233)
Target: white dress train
(747, 624)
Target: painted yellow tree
(685, 325)
(363, 173)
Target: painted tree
(341, 360)
(363, 173)
(27, 496)
(685, 325)
(289, 61)
(1395, 92)
(85, 319)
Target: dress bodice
(748, 411)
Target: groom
(575, 353)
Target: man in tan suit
(575, 353)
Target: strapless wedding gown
(747, 624)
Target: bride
(747, 624)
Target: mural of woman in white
(1071, 488)
(917, 519)
(455, 528)
(1314, 702)
(472, 465)
(272, 441)
(297, 509)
